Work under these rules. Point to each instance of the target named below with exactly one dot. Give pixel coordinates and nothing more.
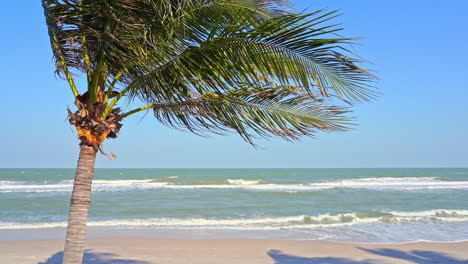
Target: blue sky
(418, 49)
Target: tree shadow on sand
(282, 258)
(94, 258)
(416, 256)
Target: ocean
(346, 205)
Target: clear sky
(419, 49)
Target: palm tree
(253, 67)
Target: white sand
(131, 250)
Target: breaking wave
(244, 182)
(384, 183)
(67, 185)
(268, 223)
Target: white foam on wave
(384, 183)
(267, 223)
(407, 183)
(67, 185)
(440, 214)
(9, 182)
(244, 182)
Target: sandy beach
(131, 250)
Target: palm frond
(274, 111)
(283, 48)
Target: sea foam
(67, 185)
(384, 183)
(266, 223)
(244, 182)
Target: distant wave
(221, 183)
(268, 223)
(244, 182)
(384, 183)
(67, 185)
(406, 183)
(169, 178)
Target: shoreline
(137, 250)
(57, 233)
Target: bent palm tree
(253, 67)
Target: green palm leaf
(278, 48)
(264, 111)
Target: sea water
(348, 205)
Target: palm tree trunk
(79, 205)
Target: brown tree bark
(79, 206)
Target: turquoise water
(359, 205)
